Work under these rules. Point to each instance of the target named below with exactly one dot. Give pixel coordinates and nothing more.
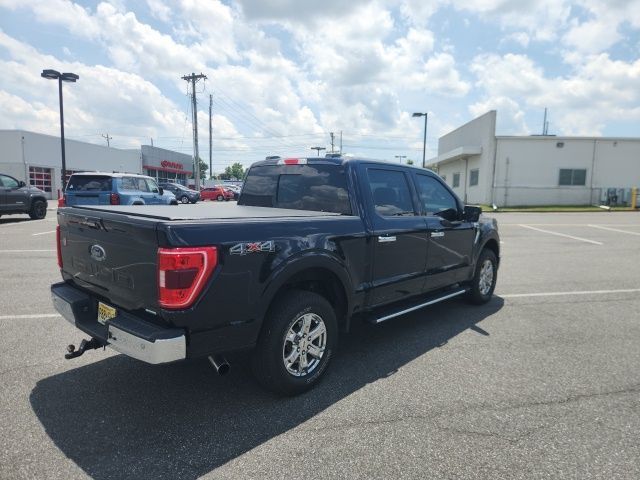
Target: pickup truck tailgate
(113, 256)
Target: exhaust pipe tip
(220, 364)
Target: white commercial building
(36, 159)
(484, 168)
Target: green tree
(203, 169)
(409, 161)
(235, 171)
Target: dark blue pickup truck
(312, 245)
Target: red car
(218, 193)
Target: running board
(388, 316)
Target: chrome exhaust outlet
(219, 363)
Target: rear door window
(89, 183)
(390, 191)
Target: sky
(283, 74)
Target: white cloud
(598, 90)
(297, 11)
(103, 99)
(287, 67)
(59, 12)
(159, 10)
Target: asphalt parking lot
(543, 382)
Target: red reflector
(62, 201)
(58, 246)
(182, 273)
(114, 199)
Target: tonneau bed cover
(202, 211)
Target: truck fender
(306, 261)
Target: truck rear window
(321, 188)
(89, 183)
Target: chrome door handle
(437, 234)
(386, 239)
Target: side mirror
(471, 213)
(450, 214)
(21, 184)
(161, 190)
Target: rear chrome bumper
(125, 333)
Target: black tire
(268, 361)
(220, 198)
(38, 210)
(173, 202)
(184, 199)
(478, 293)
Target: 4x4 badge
(254, 247)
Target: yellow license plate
(105, 312)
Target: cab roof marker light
(292, 161)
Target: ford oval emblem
(97, 253)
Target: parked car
(218, 193)
(311, 246)
(98, 188)
(18, 197)
(182, 193)
(233, 191)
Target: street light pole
(400, 157)
(424, 141)
(64, 160)
(61, 77)
(318, 149)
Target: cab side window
(391, 194)
(8, 182)
(434, 197)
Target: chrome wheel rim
(304, 344)
(184, 200)
(486, 277)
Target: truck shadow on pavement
(119, 418)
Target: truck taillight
(114, 199)
(182, 273)
(62, 201)
(59, 246)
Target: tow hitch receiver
(84, 346)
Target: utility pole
(545, 124)
(210, 133)
(331, 133)
(193, 78)
(108, 138)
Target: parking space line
(27, 251)
(614, 229)
(26, 317)
(562, 235)
(558, 294)
(42, 233)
